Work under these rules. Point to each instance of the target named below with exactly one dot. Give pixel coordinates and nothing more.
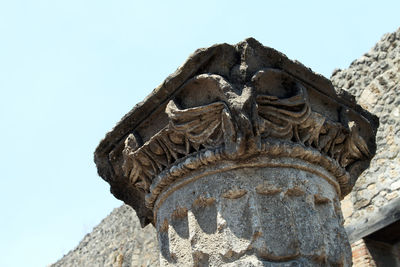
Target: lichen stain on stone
(338, 263)
(229, 254)
(256, 235)
(319, 199)
(320, 255)
(265, 189)
(179, 213)
(270, 256)
(202, 202)
(200, 259)
(119, 260)
(164, 226)
(221, 226)
(173, 258)
(234, 194)
(294, 192)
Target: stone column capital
(231, 104)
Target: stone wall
(374, 79)
(118, 241)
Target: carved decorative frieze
(279, 111)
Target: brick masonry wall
(371, 253)
(361, 256)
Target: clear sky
(69, 70)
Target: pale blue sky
(69, 70)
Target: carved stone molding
(199, 135)
(234, 103)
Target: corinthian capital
(234, 102)
(241, 130)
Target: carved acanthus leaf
(290, 117)
(355, 147)
(188, 131)
(278, 116)
(143, 164)
(205, 125)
